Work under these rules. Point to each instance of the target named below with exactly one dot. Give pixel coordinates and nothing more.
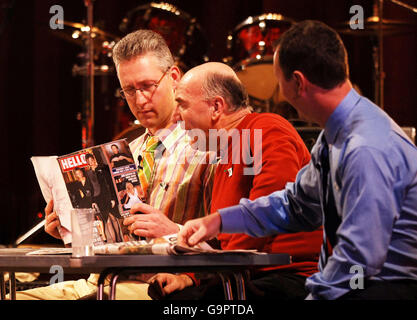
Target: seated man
(259, 154)
(178, 187)
(361, 182)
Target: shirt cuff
(232, 219)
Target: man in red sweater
(260, 153)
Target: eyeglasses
(147, 91)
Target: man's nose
(140, 99)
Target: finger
(142, 225)
(184, 234)
(153, 278)
(197, 237)
(51, 217)
(147, 217)
(160, 278)
(52, 226)
(141, 207)
(129, 220)
(143, 233)
(170, 287)
(49, 207)
(133, 218)
(137, 229)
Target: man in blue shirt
(361, 182)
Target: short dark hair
(88, 156)
(80, 169)
(228, 87)
(317, 51)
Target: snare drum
(184, 36)
(251, 46)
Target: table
(16, 260)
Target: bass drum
(251, 48)
(184, 36)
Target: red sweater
(283, 155)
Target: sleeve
(293, 209)
(369, 209)
(193, 277)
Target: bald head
(216, 79)
(211, 67)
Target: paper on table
(166, 245)
(53, 187)
(47, 251)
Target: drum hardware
(102, 57)
(83, 29)
(404, 5)
(251, 47)
(183, 34)
(87, 124)
(95, 60)
(103, 43)
(376, 27)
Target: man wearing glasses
(176, 178)
(178, 182)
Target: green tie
(147, 163)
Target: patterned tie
(147, 162)
(331, 218)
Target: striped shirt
(181, 181)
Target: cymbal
(85, 28)
(371, 27)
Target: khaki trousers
(77, 289)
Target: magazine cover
(102, 177)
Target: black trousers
(264, 285)
(384, 290)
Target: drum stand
(404, 5)
(87, 117)
(377, 54)
(378, 48)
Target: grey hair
(142, 42)
(228, 87)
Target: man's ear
(175, 74)
(218, 105)
(300, 83)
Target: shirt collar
(337, 119)
(167, 136)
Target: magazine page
(53, 187)
(104, 178)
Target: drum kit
(250, 47)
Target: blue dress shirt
(373, 175)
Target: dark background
(40, 99)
